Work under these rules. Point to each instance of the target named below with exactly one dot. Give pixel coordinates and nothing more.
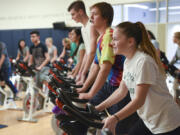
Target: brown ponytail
(147, 47)
(138, 32)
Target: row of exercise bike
(69, 112)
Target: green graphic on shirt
(131, 90)
(128, 77)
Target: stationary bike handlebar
(70, 96)
(171, 69)
(22, 68)
(61, 66)
(84, 120)
(55, 83)
(89, 111)
(63, 81)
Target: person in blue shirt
(5, 68)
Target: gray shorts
(42, 76)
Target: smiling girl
(144, 78)
(106, 72)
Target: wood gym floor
(15, 127)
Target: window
(117, 14)
(140, 12)
(174, 10)
(162, 11)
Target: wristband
(117, 118)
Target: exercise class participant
(23, 51)
(144, 78)
(5, 68)
(106, 72)
(52, 50)
(79, 52)
(78, 13)
(39, 57)
(176, 40)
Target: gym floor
(15, 127)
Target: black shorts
(140, 129)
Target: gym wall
(27, 14)
(19, 17)
(11, 38)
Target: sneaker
(17, 98)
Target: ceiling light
(136, 6)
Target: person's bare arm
(45, 62)
(81, 56)
(139, 100)
(30, 60)
(54, 55)
(93, 45)
(2, 60)
(26, 57)
(99, 82)
(116, 97)
(83, 64)
(91, 78)
(62, 55)
(18, 56)
(89, 57)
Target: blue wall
(11, 38)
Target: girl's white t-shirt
(160, 113)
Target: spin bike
(173, 78)
(6, 96)
(36, 101)
(67, 96)
(57, 80)
(16, 78)
(78, 118)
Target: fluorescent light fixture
(136, 6)
(174, 13)
(154, 9)
(174, 7)
(164, 8)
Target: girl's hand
(110, 123)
